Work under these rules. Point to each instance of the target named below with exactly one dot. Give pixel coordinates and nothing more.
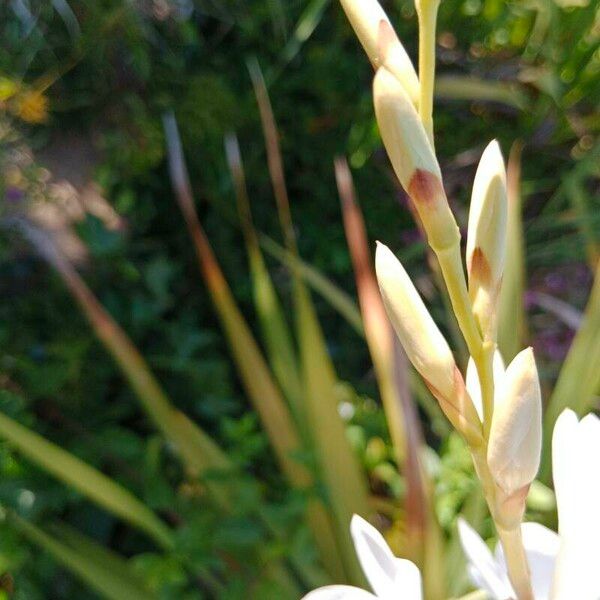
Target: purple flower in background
(13, 195)
(556, 282)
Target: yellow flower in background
(8, 88)
(31, 106)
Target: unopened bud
(424, 344)
(515, 441)
(486, 238)
(377, 36)
(413, 159)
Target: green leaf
(85, 479)
(511, 321)
(104, 571)
(252, 367)
(345, 483)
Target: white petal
(339, 592)
(575, 452)
(408, 580)
(389, 576)
(564, 443)
(484, 570)
(541, 546)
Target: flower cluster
(497, 409)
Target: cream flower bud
(515, 442)
(424, 344)
(378, 38)
(486, 239)
(413, 159)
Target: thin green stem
(516, 561)
(427, 11)
(485, 370)
(511, 539)
(454, 276)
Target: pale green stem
(516, 561)
(485, 370)
(454, 276)
(511, 539)
(427, 11)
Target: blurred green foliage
(105, 72)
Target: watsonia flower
(564, 566)
(390, 578)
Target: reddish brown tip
(479, 267)
(425, 188)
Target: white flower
(390, 578)
(564, 566)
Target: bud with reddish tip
(413, 159)
(378, 38)
(515, 441)
(486, 239)
(424, 344)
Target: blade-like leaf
(201, 456)
(424, 541)
(105, 572)
(252, 367)
(344, 481)
(456, 87)
(276, 333)
(318, 282)
(281, 352)
(85, 479)
(378, 331)
(307, 23)
(196, 449)
(511, 321)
